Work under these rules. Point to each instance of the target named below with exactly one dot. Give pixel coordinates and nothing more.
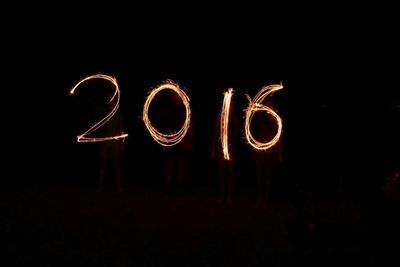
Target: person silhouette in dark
(171, 113)
(226, 168)
(176, 161)
(266, 161)
(392, 184)
(110, 151)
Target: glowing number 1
(224, 123)
(82, 137)
(256, 105)
(161, 138)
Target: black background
(339, 106)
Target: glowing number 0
(224, 123)
(161, 138)
(256, 105)
(82, 137)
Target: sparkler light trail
(224, 122)
(162, 138)
(256, 105)
(83, 137)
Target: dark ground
(69, 226)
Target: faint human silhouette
(392, 185)
(176, 161)
(226, 168)
(171, 113)
(110, 152)
(266, 162)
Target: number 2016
(255, 104)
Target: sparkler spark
(256, 105)
(82, 137)
(162, 138)
(224, 122)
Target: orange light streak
(224, 122)
(256, 105)
(82, 137)
(162, 138)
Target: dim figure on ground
(111, 153)
(226, 168)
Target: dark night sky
(330, 200)
(339, 107)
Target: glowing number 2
(161, 138)
(256, 105)
(82, 137)
(224, 123)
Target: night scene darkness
(310, 173)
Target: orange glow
(161, 138)
(83, 137)
(256, 105)
(224, 122)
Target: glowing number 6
(161, 138)
(256, 105)
(82, 137)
